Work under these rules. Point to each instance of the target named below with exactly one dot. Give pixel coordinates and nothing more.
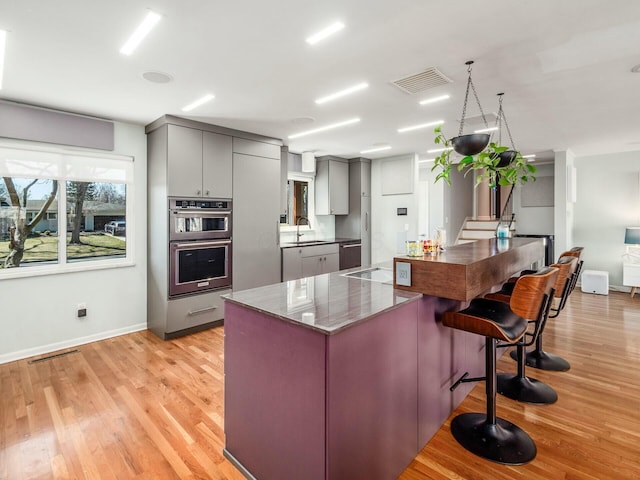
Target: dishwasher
(350, 255)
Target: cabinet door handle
(202, 310)
(366, 221)
(207, 193)
(198, 192)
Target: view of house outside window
(95, 220)
(62, 218)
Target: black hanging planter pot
(506, 157)
(471, 144)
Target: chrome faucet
(298, 234)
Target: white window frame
(96, 158)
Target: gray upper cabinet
(358, 223)
(216, 165)
(199, 163)
(332, 186)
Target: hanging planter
(506, 157)
(493, 162)
(471, 144)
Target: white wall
(608, 201)
(39, 313)
(387, 228)
(534, 220)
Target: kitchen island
(342, 375)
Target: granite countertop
(327, 303)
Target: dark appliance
(547, 241)
(350, 254)
(200, 246)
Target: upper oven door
(198, 224)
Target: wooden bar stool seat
(569, 266)
(486, 435)
(519, 386)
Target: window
(56, 207)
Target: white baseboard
(52, 347)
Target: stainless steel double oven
(199, 245)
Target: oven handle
(202, 310)
(210, 213)
(200, 244)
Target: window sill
(56, 269)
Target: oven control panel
(191, 203)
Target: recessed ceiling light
(436, 150)
(325, 32)
(3, 43)
(636, 69)
(426, 160)
(377, 149)
(157, 77)
(143, 29)
(422, 125)
(197, 103)
(531, 157)
(326, 127)
(342, 93)
(485, 130)
(434, 99)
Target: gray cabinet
(198, 163)
(192, 159)
(324, 260)
(300, 262)
(332, 186)
(216, 165)
(256, 227)
(357, 224)
(291, 263)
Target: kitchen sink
(309, 242)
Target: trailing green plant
(486, 164)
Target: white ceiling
(564, 66)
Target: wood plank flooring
(135, 407)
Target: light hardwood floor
(137, 407)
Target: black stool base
(525, 389)
(503, 442)
(544, 361)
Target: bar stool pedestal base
(525, 389)
(502, 442)
(544, 361)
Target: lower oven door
(199, 266)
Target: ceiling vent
(429, 78)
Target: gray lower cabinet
(291, 263)
(300, 262)
(256, 226)
(189, 312)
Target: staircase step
(484, 225)
(476, 234)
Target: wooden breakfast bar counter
(343, 376)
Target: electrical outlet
(82, 310)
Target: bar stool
(568, 266)
(486, 435)
(519, 386)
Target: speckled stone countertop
(327, 303)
